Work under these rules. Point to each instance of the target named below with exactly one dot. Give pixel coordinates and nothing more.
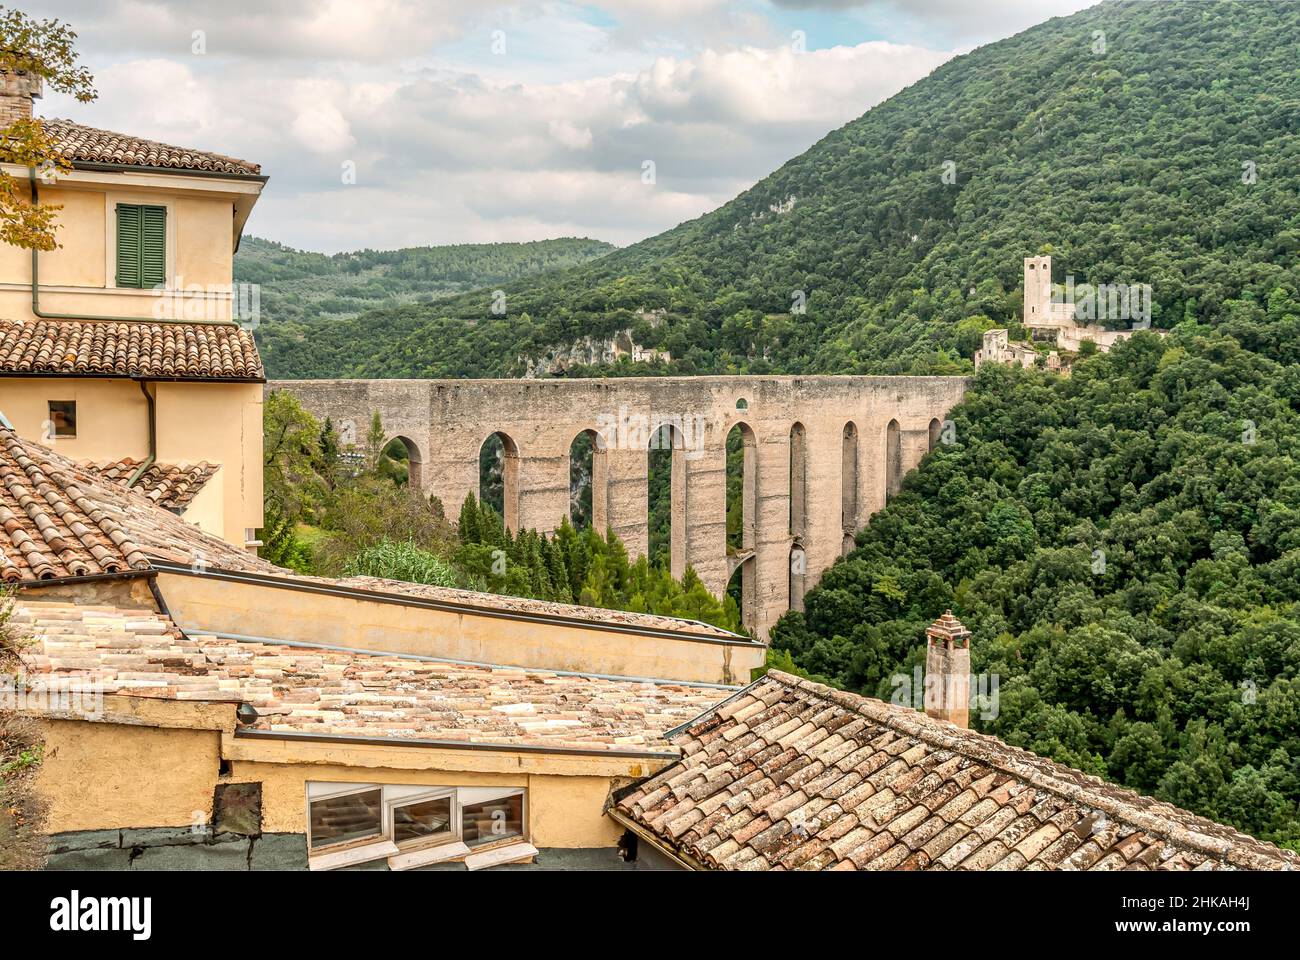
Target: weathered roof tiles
(80, 143)
(170, 485)
(305, 690)
(51, 528)
(792, 775)
(171, 350)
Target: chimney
(947, 671)
(18, 89)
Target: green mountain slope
(1125, 545)
(1127, 166)
(299, 290)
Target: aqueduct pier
(821, 455)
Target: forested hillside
(1125, 545)
(1128, 165)
(299, 289)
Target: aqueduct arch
(840, 476)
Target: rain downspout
(153, 436)
(36, 287)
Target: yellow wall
(98, 776)
(206, 603)
(112, 416)
(217, 422)
(80, 276)
(221, 423)
(106, 775)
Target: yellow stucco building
(204, 709)
(121, 348)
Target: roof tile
(889, 788)
(169, 350)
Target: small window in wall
(62, 419)
(345, 819)
(493, 819)
(141, 245)
(426, 819)
(410, 825)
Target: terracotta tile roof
(60, 520)
(170, 485)
(78, 142)
(792, 775)
(135, 348)
(139, 652)
(51, 527)
(156, 534)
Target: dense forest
(1138, 143)
(298, 289)
(1125, 545)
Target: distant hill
(1128, 165)
(300, 289)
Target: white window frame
(419, 843)
(346, 790)
(381, 845)
(523, 834)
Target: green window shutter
(141, 245)
(128, 245)
(153, 246)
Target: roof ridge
(1044, 774)
(133, 142)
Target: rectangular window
(62, 419)
(426, 820)
(492, 820)
(346, 819)
(141, 245)
(353, 823)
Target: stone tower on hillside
(1039, 310)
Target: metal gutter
(247, 733)
(153, 436)
(357, 593)
(47, 374)
(168, 171)
(130, 574)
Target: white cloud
(451, 143)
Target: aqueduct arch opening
(792, 478)
(405, 450)
(498, 485)
(849, 485)
(741, 463)
(893, 459)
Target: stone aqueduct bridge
(821, 455)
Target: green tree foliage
(1127, 166)
(1125, 545)
(583, 567)
(41, 50)
(400, 561)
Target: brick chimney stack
(17, 91)
(947, 671)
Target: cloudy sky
(481, 120)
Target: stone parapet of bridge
(822, 454)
